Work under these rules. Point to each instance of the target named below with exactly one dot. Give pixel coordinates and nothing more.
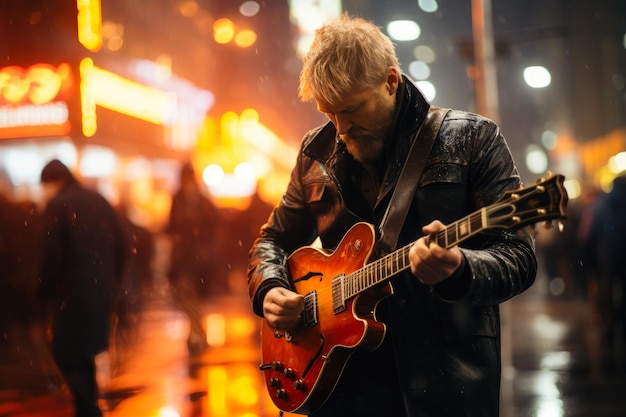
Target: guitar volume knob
(298, 385)
(274, 382)
(281, 394)
(289, 373)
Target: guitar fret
(349, 285)
(450, 233)
(366, 272)
(363, 276)
(477, 221)
(359, 284)
(375, 271)
(465, 227)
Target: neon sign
(89, 24)
(34, 100)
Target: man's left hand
(431, 263)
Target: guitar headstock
(543, 202)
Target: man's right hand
(282, 308)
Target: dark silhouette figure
(82, 264)
(604, 248)
(137, 280)
(19, 256)
(193, 274)
(192, 224)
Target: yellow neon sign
(89, 24)
(88, 102)
(114, 92)
(119, 94)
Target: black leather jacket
(445, 338)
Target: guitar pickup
(339, 295)
(309, 314)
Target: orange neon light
(37, 84)
(33, 100)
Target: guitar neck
(384, 268)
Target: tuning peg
(549, 174)
(561, 226)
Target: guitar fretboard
(545, 201)
(397, 261)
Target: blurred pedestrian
(603, 246)
(82, 264)
(193, 274)
(136, 287)
(19, 256)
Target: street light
(537, 77)
(403, 30)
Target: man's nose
(342, 124)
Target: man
(193, 274)
(603, 250)
(193, 223)
(441, 353)
(82, 264)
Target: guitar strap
(408, 180)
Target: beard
(367, 144)
(365, 148)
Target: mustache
(359, 134)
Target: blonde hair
(346, 54)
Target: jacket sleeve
(502, 263)
(290, 226)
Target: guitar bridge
(309, 314)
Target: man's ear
(393, 80)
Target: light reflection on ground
(554, 365)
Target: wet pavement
(555, 364)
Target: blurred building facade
(146, 85)
(124, 92)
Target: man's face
(363, 119)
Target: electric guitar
(341, 291)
